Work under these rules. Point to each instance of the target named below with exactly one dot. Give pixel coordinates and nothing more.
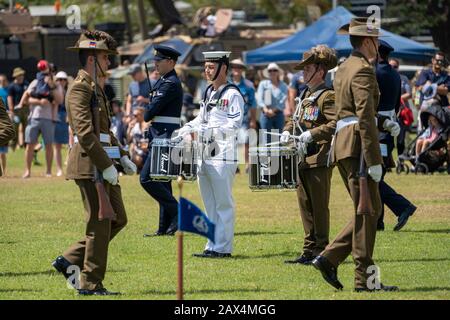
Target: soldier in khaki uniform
(6, 128)
(357, 97)
(316, 117)
(90, 253)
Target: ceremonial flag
(192, 219)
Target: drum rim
(272, 150)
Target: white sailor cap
(216, 56)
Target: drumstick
(279, 134)
(195, 130)
(273, 143)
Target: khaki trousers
(91, 252)
(313, 195)
(358, 236)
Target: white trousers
(216, 183)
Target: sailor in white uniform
(217, 126)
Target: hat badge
(92, 44)
(370, 29)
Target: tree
(291, 11)
(418, 15)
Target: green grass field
(40, 217)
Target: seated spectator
(430, 134)
(136, 138)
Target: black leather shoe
(212, 254)
(329, 272)
(97, 292)
(172, 229)
(305, 259)
(61, 264)
(215, 254)
(380, 226)
(203, 254)
(403, 217)
(381, 288)
(156, 234)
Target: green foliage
(414, 16)
(291, 11)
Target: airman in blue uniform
(164, 109)
(389, 83)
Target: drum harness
(313, 98)
(209, 103)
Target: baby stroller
(436, 153)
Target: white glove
(181, 133)
(375, 172)
(285, 137)
(184, 130)
(306, 137)
(128, 166)
(110, 174)
(392, 126)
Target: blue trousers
(389, 197)
(161, 192)
(274, 123)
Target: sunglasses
(395, 67)
(273, 71)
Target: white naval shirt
(224, 121)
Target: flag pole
(179, 234)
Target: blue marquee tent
(324, 31)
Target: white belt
(163, 119)
(390, 114)
(341, 124)
(104, 138)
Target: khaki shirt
(319, 119)
(357, 94)
(88, 152)
(6, 127)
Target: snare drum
(189, 161)
(169, 160)
(273, 168)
